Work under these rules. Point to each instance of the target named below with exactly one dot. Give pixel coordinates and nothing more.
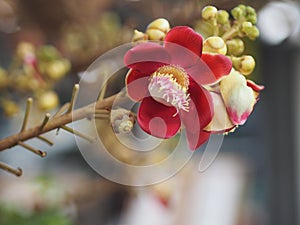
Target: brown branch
(56, 122)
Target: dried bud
(139, 36)
(122, 120)
(235, 46)
(209, 12)
(58, 69)
(244, 64)
(3, 78)
(158, 29)
(48, 101)
(222, 17)
(215, 45)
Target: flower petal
(199, 115)
(220, 122)
(146, 57)
(219, 65)
(157, 119)
(187, 38)
(184, 45)
(137, 85)
(195, 140)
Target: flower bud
(122, 120)
(239, 99)
(10, 108)
(244, 64)
(48, 101)
(209, 12)
(139, 36)
(158, 29)
(235, 46)
(58, 68)
(215, 45)
(238, 12)
(251, 15)
(246, 26)
(24, 49)
(222, 17)
(253, 33)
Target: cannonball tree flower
(169, 81)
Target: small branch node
(45, 121)
(18, 172)
(35, 151)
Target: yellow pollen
(176, 73)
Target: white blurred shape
(8, 20)
(278, 21)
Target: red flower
(168, 79)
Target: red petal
(157, 119)
(195, 140)
(137, 85)
(219, 64)
(186, 37)
(184, 45)
(254, 86)
(146, 57)
(200, 109)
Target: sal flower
(169, 82)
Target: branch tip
(27, 112)
(73, 98)
(18, 172)
(35, 151)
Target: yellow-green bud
(10, 108)
(209, 12)
(24, 49)
(244, 64)
(235, 46)
(158, 29)
(215, 45)
(48, 101)
(222, 17)
(3, 78)
(58, 68)
(139, 36)
(253, 33)
(246, 27)
(251, 15)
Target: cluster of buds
(227, 34)
(34, 71)
(156, 31)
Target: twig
(45, 140)
(56, 122)
(27, 112)
(75, 132)
(45, 121)
(62, 109)
(73, 98)
(18, 172)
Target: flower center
(169, 85)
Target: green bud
(222, 17)
(209, 12)
(48, 101)
(10, 108)
(235, 46)
(251, 15)
(58, 68)
(47, 53)
(238, 12)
